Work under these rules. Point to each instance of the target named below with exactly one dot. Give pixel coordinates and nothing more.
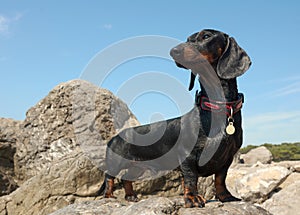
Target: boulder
(9, 131)
(74, 114)
(291, 165)
(286, 201)
(72, 177)
(260, 154)
(159, 206)
(254, 184)
(289, 180)
(75, 178)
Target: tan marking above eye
(208, 57)
(201, 33)
(220, 52)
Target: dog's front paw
(131, 198)
(191, 201)
(226, 197)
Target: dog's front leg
(130, 195)
(190, 178)
(221, 190)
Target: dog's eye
(205, 36)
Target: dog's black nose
(176, 51)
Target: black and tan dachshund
(203, 141)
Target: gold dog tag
(230, 129)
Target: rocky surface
(74, 114)
(159, 206)
(66, 180)
(9, 131)
(260, 154)
(56, 156)
(285, 201)
(75, 178)
(254, 184)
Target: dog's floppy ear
(192, 81)
(192, 78)
(234, 61)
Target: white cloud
(284, 79)
(272, 127)
(273, 117)
(289, 89)
(288, 86)
(107, 26)
(3, 24)
(17, 17)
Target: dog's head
(222, 52)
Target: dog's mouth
(188, 57)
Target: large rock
(68, 179)
(291, 165)
(74, 114)
(9, 131)
(75, 178)
(254, 184)
(286, 201)
(159, 206)
(260, 154)
(290, 180)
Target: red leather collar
(222, 107)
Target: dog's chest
(217, 153)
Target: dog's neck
(210, 85)
(229, 93)
(229, 88)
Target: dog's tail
(103, 187)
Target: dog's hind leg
(107, 187)
(133, 173)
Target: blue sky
(45, 43)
